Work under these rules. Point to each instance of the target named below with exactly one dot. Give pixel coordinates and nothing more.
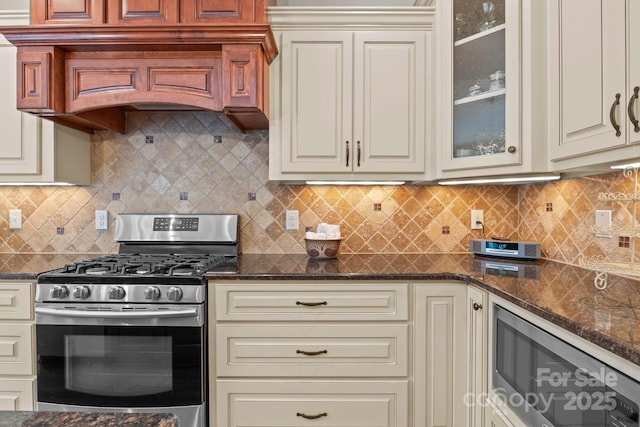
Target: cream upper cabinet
(593, 108)
(35, 150)
(491, 88)
(350, 93)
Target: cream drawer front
(16, 395)
(335, 404)
(16, 300)
(310, 350)
(322, 301)
(16, 349)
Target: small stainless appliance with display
(506, 248)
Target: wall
(184, 171)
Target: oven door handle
(118, 314)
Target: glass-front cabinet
(485, 47)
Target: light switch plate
(291, 220)
(102, 220)
(603, 222)
(15, 219)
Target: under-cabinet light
(635, 165)
(502, 180)
(33, 184)
(355, 182)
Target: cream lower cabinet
(374, 354)
(17, 356)
(317, 353)
(444, 356)
(34, 150)
(350, 93)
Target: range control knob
(116, 292)
(59, 292)
(152, 293)
(81, 292)
(174, 293)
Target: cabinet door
(16, 349)
(140, 12)
(633, 62)
(477, 354)
(482, 102)
(316, 73)
(311, 403)
(589, 56)
(216, 11)
(440, 355)
(67, 12)
(389, 117)
(20, 148)
(17, 394)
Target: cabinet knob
(477, 306)
(511, 149)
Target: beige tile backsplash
(185, 171)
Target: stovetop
(142, 268)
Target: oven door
(122, 358)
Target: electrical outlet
(603, 222)
(15, 219)
(291, 220)
(477, 219)
(102, 220)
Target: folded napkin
(324, 231)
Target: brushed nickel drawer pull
(311, 417)
(632, 115)
(311, 353)
(311, 304)
(477, 306)
(612, 115)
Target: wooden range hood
(88, 76)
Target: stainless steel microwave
(548, 382)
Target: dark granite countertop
(85, 419)
(562, 294)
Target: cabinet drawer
(312, 350)
(16, 394)
(16, 300)
(322, 301)
(336, 404)
(16, 349)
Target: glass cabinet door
(479, 78)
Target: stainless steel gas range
(127, 332)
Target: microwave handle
(118, 314)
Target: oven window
(120, 366)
